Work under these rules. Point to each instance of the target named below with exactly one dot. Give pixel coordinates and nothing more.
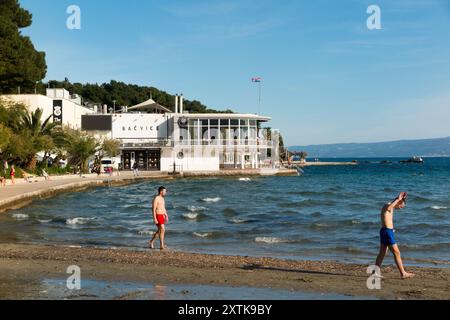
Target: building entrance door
(154, 160)
(126, 160)
(147, 160)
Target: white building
(59, 104)
(177, 141)
(158, 139)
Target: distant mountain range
(403, 148)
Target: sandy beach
(24, 267)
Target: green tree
(284, 152)
(303, 155)
(5, 135)
(80, 147)
(11, 114)
(127, 95)
(14, 143)
(39, 135)
(20, 63)
(110, 148)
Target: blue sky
(327, 78)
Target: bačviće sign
(139, 126)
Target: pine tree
(21, 65)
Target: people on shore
(160, 217)
(3, 181)
(387, 239)
(98, 170)
(5, 168)
(119, 167)
(136, 169)
(45, 175)
(12, 173)
(27, 177)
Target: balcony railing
(156, 143)
(224, 142)
(168, 143)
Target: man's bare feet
(407, 275)
(151, 245)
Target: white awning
(151, 106)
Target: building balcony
(168, 143)
(256, 143)
(157, 143)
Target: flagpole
(259, 101)
(258, 80)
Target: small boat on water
(413, 160)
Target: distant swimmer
(387, 239)
(160, 217)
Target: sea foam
(438, 207)
(20, 216)
(196, 208)
(191, 216)
(270, 240)
(217, 199)
(78, 220)
(145, 233)
(237, 221)
(202, 235)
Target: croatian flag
(258, 79)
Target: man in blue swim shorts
(387, 238)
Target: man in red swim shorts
(160, 217)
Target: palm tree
(15, 141)
(303, 155)
(109, 148)
(38, 133)
(4, 137)
(80, 147)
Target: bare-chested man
(387, 239)
(160, 217)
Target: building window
(205, 134)
(223, 134)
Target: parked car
(106, 165)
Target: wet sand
(23, 268)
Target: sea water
(328, 213)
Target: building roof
(226, 116)
(151, 106)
